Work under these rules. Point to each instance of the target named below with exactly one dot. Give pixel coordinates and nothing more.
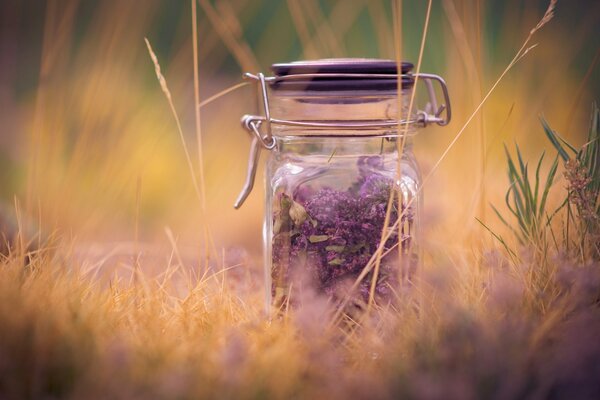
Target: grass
(67, 333)
(525, 200)
(85, 312)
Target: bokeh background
(89, 148)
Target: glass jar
(343, 194)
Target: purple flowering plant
(328, 235)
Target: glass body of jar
(331, 202)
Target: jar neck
(359, 113)
(341, 145)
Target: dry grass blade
(158, 72)
(403, 135)
(473, 67)
(548, 15)
(206, 231)
(197, 105)
(239, 49)
(402, 260)
(341, 18)
(378, 16)
(323, 30)
(222, 93)
(397, 28)
(580, 90)
(301, 25)
(167, 93)
(417, 71)
(380, 256)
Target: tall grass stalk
(398, 54)
(165, 89)
(580, 89)
(236, 45)
(323, 33)
(222, 93)
(472, 63)
(300, 24)
(198, 126)
(402, 135)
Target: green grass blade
(517, 187)
(517, 210)
(547, 186)
(556, 141)
(513, 230)
(537, 179)
(526, 192)
(499, 238)
(564, 203)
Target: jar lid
(341, 74)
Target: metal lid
(341, 74)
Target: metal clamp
(432, 113)
(252, 123)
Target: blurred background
(89, 148)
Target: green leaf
(337, 249)
(318, 238)
(357, 247)
(555, 140)
(336, 261)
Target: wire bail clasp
(432, 113)
(252, 124)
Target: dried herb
(331, 234)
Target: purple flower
(375, 187)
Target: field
(125, 272)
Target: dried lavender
(326, 236)
(579, 193)
(583, 196)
